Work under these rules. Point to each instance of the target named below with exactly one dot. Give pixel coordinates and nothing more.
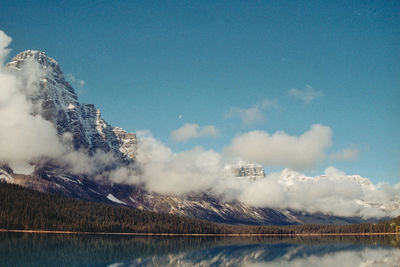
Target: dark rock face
(60, 106)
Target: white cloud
(74, 80)
(71, 77)
(199, 170)
(4, 42)
(78, 162)
(346, 154)
(24, 137)
(81, 83)
(253, 114)
(307, 95)
(281, 149)
(191, 130)
(333, 193)
(248, 116)
(163, 171)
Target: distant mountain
(91, 133)
(249, 171)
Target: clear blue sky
(145, 63)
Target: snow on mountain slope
(59, 104)
(371, 197)
(5, 176)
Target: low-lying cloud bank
(200, 170)
(26, 138)
(281, 149)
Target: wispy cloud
(5, 40)
(74, 80)
(253, 114)
(81, 83)
(307, 95)
(192, 130)
(346, 154)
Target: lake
(27, 249)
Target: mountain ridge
(60, 105)
(90, 133)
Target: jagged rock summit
(60, 105)
(250, 171)
(41, 58)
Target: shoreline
(183, 234)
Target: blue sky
(158, 65)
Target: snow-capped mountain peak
(38, 56)
(60, 105)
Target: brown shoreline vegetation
(28, 211)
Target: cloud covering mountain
(28, 140)
(25, 136)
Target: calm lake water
(19, 249)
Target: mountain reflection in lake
(17, 249)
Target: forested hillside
(22, 208)
(26, 209)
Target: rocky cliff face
(250, 171)
(59, 104)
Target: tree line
(26, 209)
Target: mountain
(60, 106)
(90, 133)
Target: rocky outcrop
(250, 171)
(60, 105)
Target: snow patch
(114, 199)
(5, 176)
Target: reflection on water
(18, 249)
